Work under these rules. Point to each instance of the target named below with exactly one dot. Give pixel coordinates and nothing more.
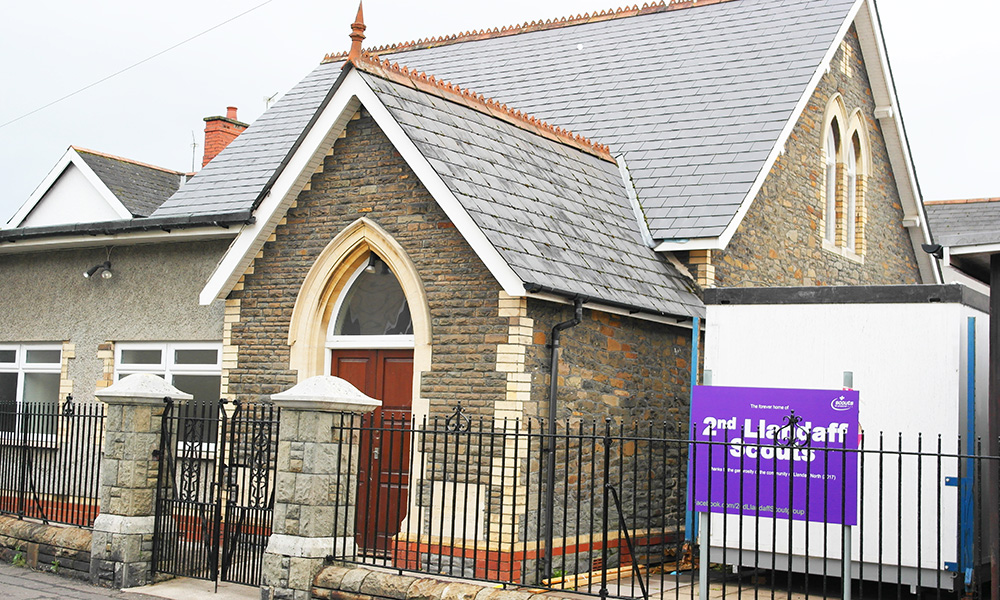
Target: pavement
(22, 583)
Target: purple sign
(775, 453)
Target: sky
(943, 55)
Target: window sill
(843, 252)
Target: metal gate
(215, 490)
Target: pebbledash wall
(153, 296)
(780, 242)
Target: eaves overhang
(134, 230)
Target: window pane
(196, 357)
(375, 305)
(141, 357)
(8, 400)
(41, 395)
(8, 356)
(201, 414)
(42, 356)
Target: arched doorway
(370, 344)
(362, 355)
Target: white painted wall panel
(908, 364)
(71, 199)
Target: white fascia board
(69, 157)
(786, 132)
(286, 188)
(884, 93)
(688, 245)
(437, 188)
(633, 200)
(976, 249)
(614, 310)
(352, 94)
(195, 234)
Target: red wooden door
(383, 471)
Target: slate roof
(235, 178)
(141, 188)
(559, 216)
(695, 98)
(964, 222)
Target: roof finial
(357, 35)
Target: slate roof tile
(964, 222)
(561, 220)
(694, 98)
(139, 187)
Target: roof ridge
(449, 91)
(961, 201)
(482, 34)
(129, 160)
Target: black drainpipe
(550, 471)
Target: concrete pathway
(21, 583)
(183, 589)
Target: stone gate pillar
(307, 527)
(122, 547)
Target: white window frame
(167, 368)
(367, 342)
(831, 184)
(851, 199)
(21, 366)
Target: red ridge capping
(482, 34)
(130, 161)
(452, 92)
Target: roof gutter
(534, 288)
(221, 220)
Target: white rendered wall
(908, 365)
(71, 199)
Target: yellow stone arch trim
(835, 109)
(326, 281)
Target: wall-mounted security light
(104, 269)
(935, 250)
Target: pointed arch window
(830, 192)
(373, 311)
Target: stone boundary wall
(61, 550)
(341, 582)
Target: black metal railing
(51, 458)
(465, 496)
(911, 515)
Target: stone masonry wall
(366, 177)
(780, 242)
(611, 365)
(61, 550)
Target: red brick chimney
(219, 132)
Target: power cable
(130, 67)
